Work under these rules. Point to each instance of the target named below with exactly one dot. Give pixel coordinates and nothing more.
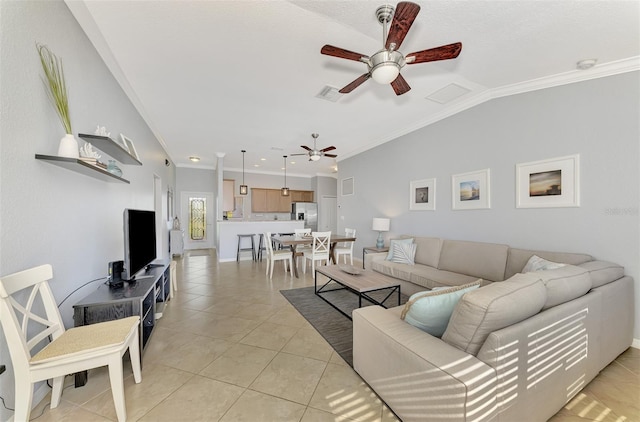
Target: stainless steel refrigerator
(307, 211)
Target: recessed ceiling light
(194, 158)
(256, 165)
(292, 162)
(263, 159)
(586, 64)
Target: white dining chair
(30, 317)
(320, 249)
(283, 255)
(345, 248)
(300, 249)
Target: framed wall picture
(471, 191)
(347, 186)
(554, 182)
(128, 143)
(422, 195)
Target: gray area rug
(331, 324)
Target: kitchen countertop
(239, 220)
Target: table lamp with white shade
(380, 225)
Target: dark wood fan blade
(331, 155)
(400, 85)
(403, 18)
(328, 149)
(330, 50)
(306, 147)
(444, 52)
(353, 85)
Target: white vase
(68, 147)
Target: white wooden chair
(283, 255)
(26, 324)
(300, 249)
(345, 248)
(319, 250)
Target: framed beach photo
(128, 144)
(554, 182)
(471, 191)
(422, 195)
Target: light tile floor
(229, 347)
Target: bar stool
(252, 248)
(261, 247)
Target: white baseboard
(636, 343)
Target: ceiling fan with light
(384, 66)
(315, 154)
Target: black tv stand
(145, 296)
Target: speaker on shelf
(115, 273)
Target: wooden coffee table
(361, 284)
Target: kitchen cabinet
(258, 200)
(276, 202)
(271, 200)
(301, 196)
(228, 192)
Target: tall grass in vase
(56, 89)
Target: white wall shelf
(82, 167)
(111, 147)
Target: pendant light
(285, 190)
(244, 189)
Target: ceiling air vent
(329, 93)
(448, 93)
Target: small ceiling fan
(315, 154)
(384, 66)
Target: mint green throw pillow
(392, 244)
(430, 311)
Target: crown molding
(630, 64)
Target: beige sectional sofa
(517, 348)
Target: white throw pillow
(535, 263)
(430, 311)
(404, 253)
(395, 242)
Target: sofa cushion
(535, 263)
(564, 284)
(517, 259)
(603, 272)
(430, 311)
(393, 269)
(493, 307)
(394, 242)
(404, 253)
(432, 277)
(480, 260)
(428, 250)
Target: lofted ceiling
(214, 77)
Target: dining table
(292, 241)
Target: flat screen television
(139, 241)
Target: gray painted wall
(597, 119)
(49, 214)
(195, 180)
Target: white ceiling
(221, 76)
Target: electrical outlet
(2, 368)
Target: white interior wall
(49, 214)
(597, 119)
